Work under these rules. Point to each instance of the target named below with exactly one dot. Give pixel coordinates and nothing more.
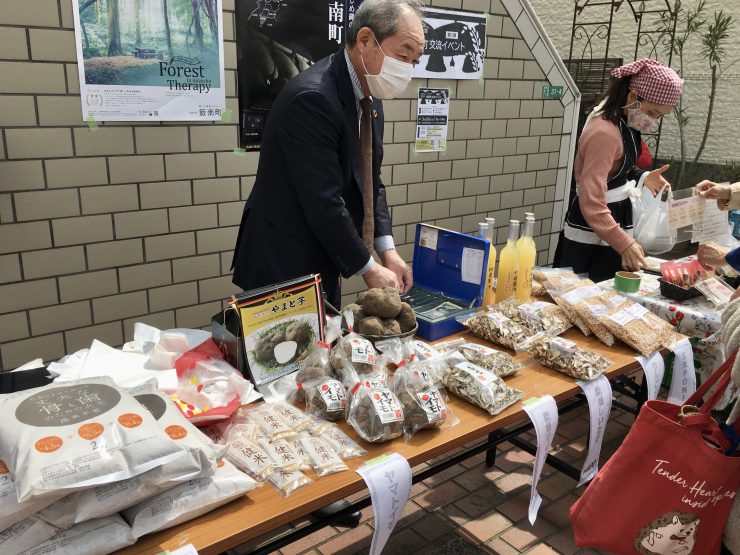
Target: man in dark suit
(311, 210)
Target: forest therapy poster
(150, 60)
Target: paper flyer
(432, 113)
(150, 61)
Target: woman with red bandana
(597, 234)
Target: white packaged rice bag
(78, 435)
(200, 462)
(12, 512)
(189, 500)
(25, 534)
(94, 537)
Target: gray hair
(381, 16)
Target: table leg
(491, 453)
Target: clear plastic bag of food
(268, 421)
(353, 349)
(495, 327)
(288, 482)
(500, 363)
(283, 455)
(325, 398)
(250, 458)
(292, 416)
(537, 316)
(638, 327)
(376, 414)
(424, 404)
(570, 296)
(295, 443)
(422, 350)
(317, 363)
(393, 352)
(345, 446)
(317, 425)
(324, 458)
(566, 356)
(592, 309)
(478, 386)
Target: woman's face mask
(392, 80)
(639, 120)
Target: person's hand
(633, 257)
(711, 190)
(393, 261)
(655, 180)
(711, 255)
(380, 276)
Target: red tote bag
(669, 487)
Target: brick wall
(136, 222)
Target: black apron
(579, 247)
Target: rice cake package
(188, 500)
(12, 512)
(284, 456)
(292, 416)
(94, 537)
(78, 435)
(268, 421)
(25, 534)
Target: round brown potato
(406, 318)
(385, 303)
(372, 325)
(391, 327)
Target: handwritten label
(683, 383)
(599, 396)
(389, 483)
(544, 415)
(654, 368)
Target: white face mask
(392, 80)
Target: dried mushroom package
(324, 458)
(376, 414)
(572, 294)
(188, 500)
(500, 363)
(538, 316)
(288, 482)
(638, 327)
(424, 404)
(325, 398)
(592, 309)
(497, 328)
(567, 357)
(423, 350)
(79, 435)
(345, 446)
(478, 386)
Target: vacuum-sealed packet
(287, 482)
(592, 309)
(268, 421)
(478, 386)
(292, 416)
(638, 327)
(249, 457)
(345, 446)
(537, 316)
(79, 435)
(567, 291)
(496, 328)
(284, 456)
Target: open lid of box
(452, 263)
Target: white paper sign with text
(654, 367)
(599, 396)
(544, 415)
(683, 383)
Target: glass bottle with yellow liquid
(488, 296)
(508, 265)
(527, 257)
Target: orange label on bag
(176, 432)
(90, 431)
(129, 420)
(3, 467)
(48, 444)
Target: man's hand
(716, 191)
(633, 257)
(393, 261)
(655, 180)
(379, 276)
(711, 255)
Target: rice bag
(78, 435)
(537, 316)
(188, 500)
(496, 328)
(25, 534)
(376, 414)
(292, 416)
(284, 456)
(424, 404)
(318, 425)
(12, 512)
(637, 326)
(249, 457)
(566, 356)
(324, 459)
(269, 422)
(478, 386)
(288, 482)
(93, 537)
(345, 446)
(325, 398)
(295, 443)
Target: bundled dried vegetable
(538, 316)
(566, 356)
(497, 328)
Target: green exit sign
(550, 92)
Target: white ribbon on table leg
(683, 383)
(544, 415)
(654, 368)
(388, 479)
(599, 396)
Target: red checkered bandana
(652, 80)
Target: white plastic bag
(650, 217)
(99, 536)
(26, 534)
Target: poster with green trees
(144, 60)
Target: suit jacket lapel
(347, 96)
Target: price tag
(544, 415)
(389, 482)
(599, 396)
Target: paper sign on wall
(432, 112)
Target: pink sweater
(600, 153)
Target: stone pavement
(473, 509)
